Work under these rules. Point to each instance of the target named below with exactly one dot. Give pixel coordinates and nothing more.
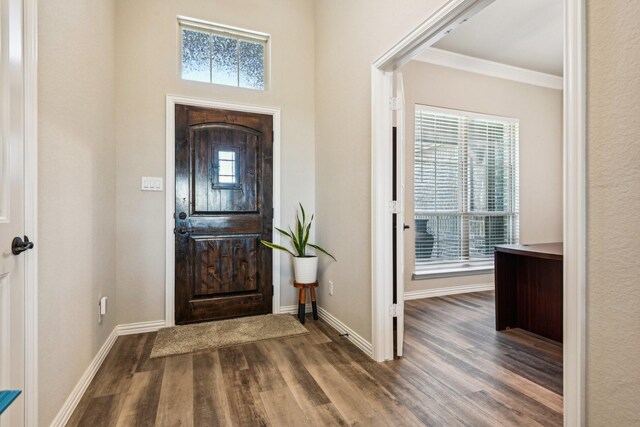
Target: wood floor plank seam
(457, 371)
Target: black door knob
(405, 227)
(18, 245)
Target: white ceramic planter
(305, 269)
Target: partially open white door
(400, 141)
(12, 266)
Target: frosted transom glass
(196, 56)
(251, 59)
(223, 59)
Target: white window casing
(220, 54)
(465, 188)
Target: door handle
(185, 230)
(18, 245)
(405, 227)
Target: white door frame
(30, 82)
(24, 13)
(170, 184)
(574, 220)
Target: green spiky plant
(299, 237)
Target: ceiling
(522, 33)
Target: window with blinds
(465, 187)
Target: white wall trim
(140, 327)
(364, 345)
(489, 68)
(30, 73)
(171, 102)
(575, 212)
(446, 18)
(78, 391)
(450, 290)
(575, 254)
(381, 221)
(293, 309)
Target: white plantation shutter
(465, 186)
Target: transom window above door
(465, 188)
(214, 53)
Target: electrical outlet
(330, 287)
(102, 308)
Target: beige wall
(540, 113)
(613, 223)
(76, 209)
(350, 36)
(147, 70)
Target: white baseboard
(140, 327)
(352, 336)
(78, 391)
(451, 290)
(293, 309)
(336, 324)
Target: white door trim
(574, 219)
(575, 211)
(446, 18)
(172, 100)
(30, 72)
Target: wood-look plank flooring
(456, 371)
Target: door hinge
(393, 310)
(394, 207)
(394, 104)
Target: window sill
(438, 273)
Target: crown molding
(494, 69)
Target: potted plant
(305, 267)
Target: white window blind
(465, 189)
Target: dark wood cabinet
(528, 280)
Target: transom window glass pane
(227, 167)
(196, 56)
(466, 187)
(251, 65)
(224, 64)
(221, 55)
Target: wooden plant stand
(302, 299)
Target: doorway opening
(444, 21)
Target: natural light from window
(227, 167)
(217, 54)
(465, 188)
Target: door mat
(224, 333)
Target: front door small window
(227, 167)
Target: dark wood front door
(223, 209)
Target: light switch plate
(151, 183)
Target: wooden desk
(528, 281)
